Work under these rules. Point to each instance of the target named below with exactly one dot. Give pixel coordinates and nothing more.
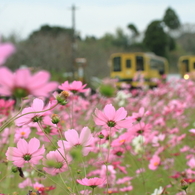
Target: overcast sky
(93, 17)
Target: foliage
(133, 28)
(155, 38)
(107, 90)
(51, 31)
(120, 39)
(171, 19)
(187, 41)
(172, 43)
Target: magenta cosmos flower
(110, 118)
(6, 49)
(25, 152)
(23, 83)
(92, 182)
(75, 86)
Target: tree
(155, 38)
(171, 19)
(54, 31)
(120, 39)
(134, 31)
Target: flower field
(59, 138)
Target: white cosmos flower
(158, 191)
(138, 142)
(121, 97)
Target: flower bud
(138, 119)
(62, 97)
(101, 136)
(184, 185)
(55, 119)
(78, 171)
(14, 169)
(37, 119)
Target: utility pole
(73, 9)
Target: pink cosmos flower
(157, 139)
(140, 129)
(109, 173)
(154, 162)
(6, 49)
(185, 149)
(192, 131)
(26, 152)
(139, 171)
(5, 136)
(85, 192)
(26, 183)
(73, 139)
(117, 165)
(37, 185)
(122, 139)
(92, 182)
(23, 132)
(23, 83)
(110, 118)
(75, 86)
(126, 189)
(124, 180)
(55, 163)
(37, 106)
(138, 116)
(191, 163)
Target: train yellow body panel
(186, 65)
(138, 68)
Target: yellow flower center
(156, 163)
(23, 133)
(122, 141)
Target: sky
(92, 17)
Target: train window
(157, 65)
(161, 69)
(128, 63)
(117, 64)
(139, 63)
(186, 64)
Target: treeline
(50, 48)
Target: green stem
(93, 189)
(64, 157)
(52, 142)
(15, 117)
(10, 120)
(109, 146)
(48, 177)
(69, 167)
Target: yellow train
(186, 65)
(138, 68)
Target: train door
(128, 68)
